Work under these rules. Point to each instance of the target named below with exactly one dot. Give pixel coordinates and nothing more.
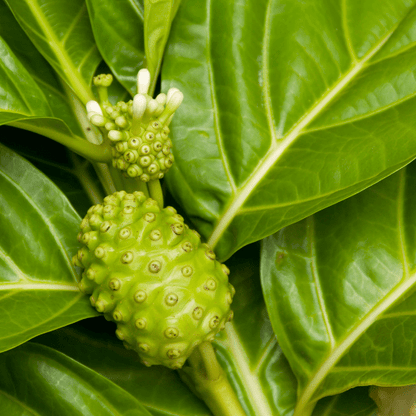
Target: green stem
(92, 152)
(103, 173)
(117, 177)
(208, 380)
(306, 410)
(86, 180)
(155, 191)
(131, 185)
(142, 186)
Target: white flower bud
(115, 135)
(152, 106)
(161, 98)
(143, 81)
(98, 120)
(139, 106)
(171, 92)
(94, 107)
(174, 101)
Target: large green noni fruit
(148, 272)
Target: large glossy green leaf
(74, 176)
(62, 33)
(22, 64)
(158, 17)
(38, 284)
(21, 97)
(339, 288)
(118, 30)
(36, 380)
(290, 106)
(248, 349)
(93, 343)
(354, 402)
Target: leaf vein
(71, 27)
(14, 399)
(316, 279)
(274, 155)
(46, 219)
(218, 135)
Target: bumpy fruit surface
(148, 272)
(138, 129)
(145, 153)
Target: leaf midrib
(317, 281)
(39, 286)
(273, 156)
(215, 112)
(50, 318)
(406, 282)
(46, 220)
(64, 60)
(336, 354)
(251, 380)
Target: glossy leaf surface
(74, 176)
(248, 349)
(20, 95)
(339, 287)
(118, 30)
(158, 17)
(290, 106)
(62, 33)
(30, 87)
(94, 344)
(40, 381)
(38, 284)
(354, 402)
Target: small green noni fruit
(148, 272)
(137, 130)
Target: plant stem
(155, 191)
(207, 379)
(92, 152)
(306, 410)
(84, 177)
(133, 184)
(105, 177)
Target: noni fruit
(138, 129)
(150, 274)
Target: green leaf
(158, 17)
(38, 284)
(290, 107)
(248, 349)
(340, 291)
(21, 97)
(74, 176)
(40, 381)
(22, 64)
(118, 31)
(93, 343)
(354, 402)
(62, 33)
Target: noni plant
(207, 207)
